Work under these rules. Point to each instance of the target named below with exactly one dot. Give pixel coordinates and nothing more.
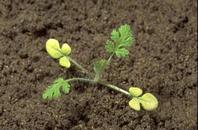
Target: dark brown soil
(162, 61)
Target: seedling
(121, 39)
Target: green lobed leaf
(99, 67)
(54, 90)
(66, 88)
(125, 35)
(115, 35)
(109, 46)
(121, 52)
(120, 39)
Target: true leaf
(121, 52)
(53, 48)
(115, 35)
(109, 46)
(99, 67)
(125, 35)
(121, 38)
(54, 90)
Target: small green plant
(121, 39)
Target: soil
(163, 61)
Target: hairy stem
(97, 76)
(109, 60)
(78, 65)
(106, 84)
(113, 87)
(116, 88)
